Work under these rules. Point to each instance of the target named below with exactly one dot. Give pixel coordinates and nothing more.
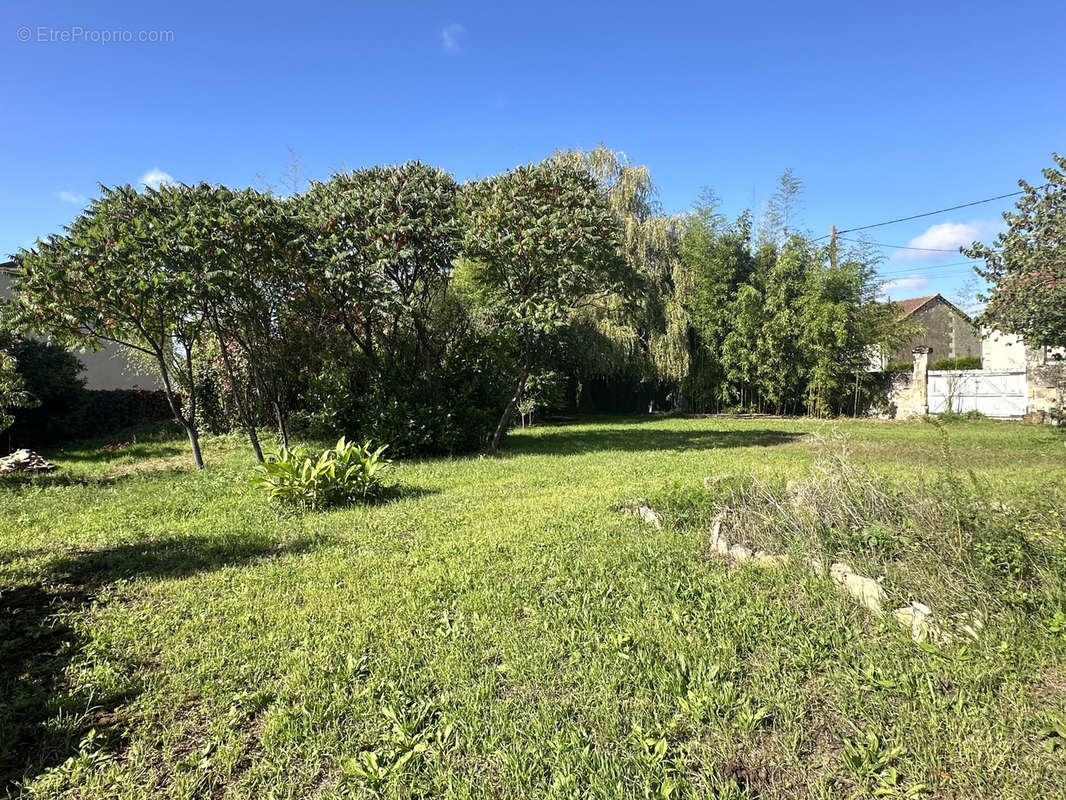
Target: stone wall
(1046, 381)
(908, 396)
(1045, 373)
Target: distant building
(1004, 351)
(107, 368)
(949, 331)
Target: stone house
(949, 331)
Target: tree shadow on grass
(94, 452)
(586, 439)
(42, 718)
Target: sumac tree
(122, 273)
(541, 241)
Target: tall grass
(943, 539)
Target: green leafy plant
(341, 475)
(962, 362)
(868, 758)
(1053, 733)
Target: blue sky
(884, 110)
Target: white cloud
(909, 283)
(449, 38)
(949, 236)
(155, 177)
(73, 198)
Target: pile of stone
(25, 461)
(915, 616)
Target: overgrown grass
(946, 539)
(500, 630)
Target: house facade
(106, 368)
(949, 331)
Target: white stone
(647, 513)
(914, 617)
(866, 590)
(739, 552)
(718, 541)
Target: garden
(503, 626)
(377, 535)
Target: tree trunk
(242, 409)
(505, 418)
(188, 422)
(194, 441)
(283, 429)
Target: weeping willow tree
(643, 339)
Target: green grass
(500, 630)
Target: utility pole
(833, 245)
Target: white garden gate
(995, 393)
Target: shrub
(50, 377)
(963, 362)
(960, 416)
(544, 391)
(341, 475)
(455, 411)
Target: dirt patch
(1050, 690)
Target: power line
(940, 270)
(929, 213)
(912, 267)
(903, 246)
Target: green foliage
(963, 362)
(382, 257)
(50, 374)
(781, 324)
(344, 474)
(52, 404)
(960, 416)
(250, 248)
(392, 303)
(543, 391)
(642, 336)
(869, 760)
(504, 632)
(541, 243)
(128, 270)
(13, 393)
(1026, 265)
(457, 415)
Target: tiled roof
(912, 304)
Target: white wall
(107, 368)
(1001, 351)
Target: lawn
(500, 629)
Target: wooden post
(833, 245)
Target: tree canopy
(541, 241)
(393, 303)
(1026, 264)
